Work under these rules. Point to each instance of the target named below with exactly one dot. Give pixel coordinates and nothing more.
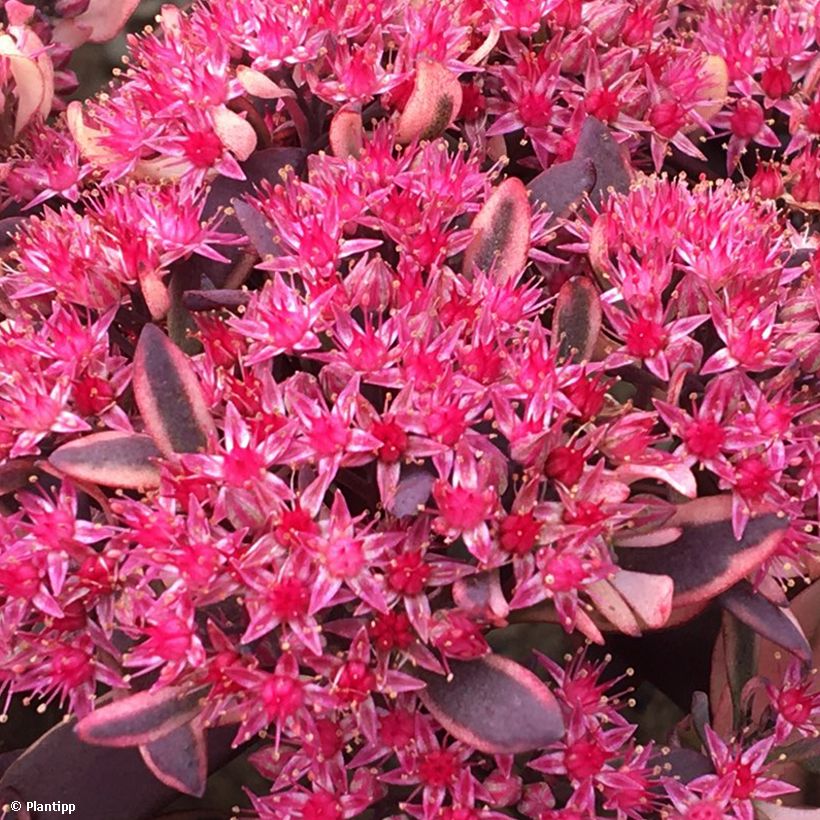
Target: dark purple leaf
(765, 618)
(413, 492)
(140, 718)
(113, 459)
(700, 713)
(7, 758)
(733, 664)
(256, 227)
(179, 759)
(561, 187)
(181, 325)
(502, 232)
(8, 228)
(576, 322)
(261, 165)
(707, 559)
(169, 395)
(102, 783)
(215, 299)
(14, 474)
(611, 160)
(481, 597)
(495, 705)
(683, 764)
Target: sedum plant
(351, 351)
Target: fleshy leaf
(707, 559)
(433, 104)
(215, 299)
(15, 473)
(562, 186)
(611, 160)
(112, 458)
(155, 292)
(481, 597)
(260, 85)
(609, 602)
(179, 759)
(715, 86)
(683, 764)
(502, 232)
(234, 132)
(101, 21)
(32, 86)
(180, 323)
(771, 811)
(576, 322)
(141, 718)
(495, 705)
(257, 228)
(650, 596)
(766, 619)
(169, 395)
(733, 664)
(98, 780)
(267, 164)
(806, 608)
(412, 492)
(346, 133)
(678, 476)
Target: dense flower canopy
(337, 336)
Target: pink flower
(746, 770)
(796, 706)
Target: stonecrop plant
(416, 402)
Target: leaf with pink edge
(256, 227)
(561, 187)
(433, 104)
(155, 292)
(258, 84)
(101, 21)
(112, 459)
(30, 82)
(576, 322)
(773, 622)
(707, 559)
(346, 133)
(609, 603)
(73, 770)
(267, 164)
(771, 811)
(234, 132)
(179, 759)
(495, 705)
(733, 665)
(169, 395)
(613, 170)
(649, 596)
(480, 596)
(501, 228)
(141, 718)
(805, 607)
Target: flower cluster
(339, 336)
